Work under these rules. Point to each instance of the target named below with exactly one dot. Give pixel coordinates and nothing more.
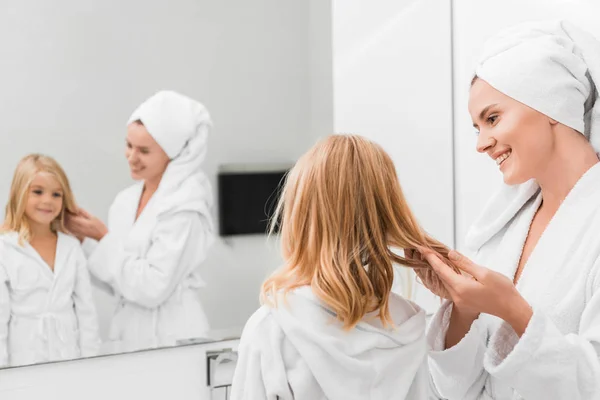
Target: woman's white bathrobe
(153, 263)
(300, 351)
(558, 355)
(45, 315)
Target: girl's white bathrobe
(45, 315)
(300, 351)
(558, 355)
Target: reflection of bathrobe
(558, 356)
(152, 264)
(299, 351)
(45, 315)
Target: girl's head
(40, 195)
(341, 210)
(147, 160)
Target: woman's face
(147, 160)
(518, 138)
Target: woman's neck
(564, 171)
(150, 187)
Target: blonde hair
(340, 212)
(15, 218)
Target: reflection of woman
(534, 102)
(159, 230)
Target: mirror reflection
(159, 230)
(146, 146)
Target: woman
(525, 322)
(159, 230)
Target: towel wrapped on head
(554, 68)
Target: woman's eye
(492, 119)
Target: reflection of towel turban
(552, 67)
(172, 119)
(180, 125)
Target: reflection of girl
(330, 326)
(534, 102)
(159, 230)
(46, 307)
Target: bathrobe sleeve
(4, 316)
(457, 373)
(85, 309)
(89, 246)
(179, 243)
(544, 362)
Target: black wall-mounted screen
(247, 200)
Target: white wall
(72, 71)
(474, 22)
(393, 84)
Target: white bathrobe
(153, 263)
(45, 315)
(554, 68)
(300, 351)
(558, 355)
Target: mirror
(72, 75)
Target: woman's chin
(136, 176)
(512, 179)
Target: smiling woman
(519, 138)
(527, 325)
(159, 229)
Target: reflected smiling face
(147, 160)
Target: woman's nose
(132, 156)
(485, 142)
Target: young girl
(46, 306)
(329, 326)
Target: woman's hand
(426, 275)
(485, 291)
(83, 225)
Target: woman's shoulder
(130, 192)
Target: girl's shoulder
(256, 327)
(8, 237)
(69, 239)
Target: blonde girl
(46, 307)
(330, 327)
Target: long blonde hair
(15, 219)
(341, 211)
